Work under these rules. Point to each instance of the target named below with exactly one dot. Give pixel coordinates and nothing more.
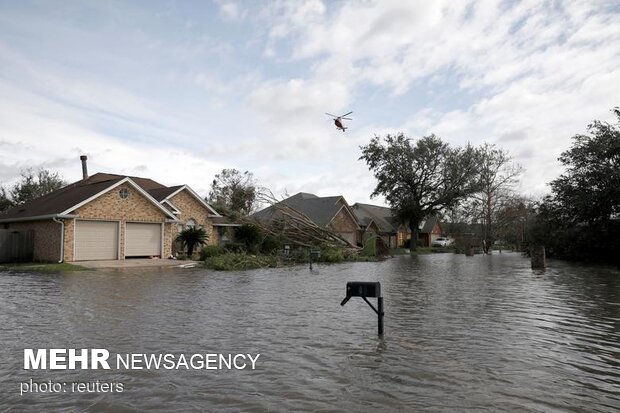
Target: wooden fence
(16, 245)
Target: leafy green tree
(589, 190)
(421, 178)
(192, 236)
(5, 201)
(234, 192)
(581, 217)
(35, 184)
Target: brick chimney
(83, 158)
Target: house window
(123, 193)
(191, 223)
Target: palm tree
(192, 236)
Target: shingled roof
(382, 216)
(429, 224)
(162, 193)
(63, 199)
(321, 210)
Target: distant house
(111, 217)
(430, 230)
(331, 212)
(377, 220)
(394, 234)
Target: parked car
(442, 242)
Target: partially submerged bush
(370, 248)
(210, 251)
(271, 244)
(330, 254)
(234, 262)
(235, 247)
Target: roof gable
(429, 224)
(72, 196)
(129, 181)
(321, 210)
(382, 216)
(60, 200)
(189, 190)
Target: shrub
(370, 248)
(270, 245)
(234, 247)
(331, 254)
(236, 262)
(249, 236)
(300, 255)
(210, 251)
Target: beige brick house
(111, 217)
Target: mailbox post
(366, 289)
(314, 256)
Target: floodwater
(483, 333)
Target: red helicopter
(338, 120)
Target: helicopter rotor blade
(347, 118)
(329, 114)
(346, 114)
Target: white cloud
(541, 71)
(246, 85)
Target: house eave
(38, 218)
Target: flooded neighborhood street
(482, 333)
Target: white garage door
(142, 240)
(96, 240)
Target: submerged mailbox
(366, 289)
(363, 289)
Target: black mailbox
(367, 289)
(363, 289)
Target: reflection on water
(481, 333)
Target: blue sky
(177, 91)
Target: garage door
(142, 240)
(96, 240)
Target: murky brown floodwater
(462, 334)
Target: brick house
(394, 234)
(377, 220)
(331, 212)
(110, 217)
(430, 230)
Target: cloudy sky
(177, 91)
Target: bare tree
(498, 177)
(514, 219)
